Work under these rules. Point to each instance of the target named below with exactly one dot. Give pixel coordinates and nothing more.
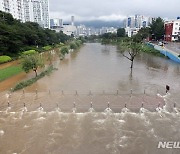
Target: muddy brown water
(52, 123)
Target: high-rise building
(14, 7)
(72, 20)
(56, 23)
(37, 11)
(68, 29)
(134, 23)
(137, 21)
(28, 10)
(45, 13)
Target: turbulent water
(87, 133)
(42, 127)
(55, 132)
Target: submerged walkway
(173, 55)
(174, 46)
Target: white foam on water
(125, 110)
(8, 109)
(40, 109)
(25, 126)
(167, 95)
(108, 110)
(24, 109)
(143, 110)
(159, 110)
(1, 133)
(99, 121)
(176, 110)
(7, 96)
(58, 109)
(124, 127)
(74, 110)
(159, 95)
(41, 119)
(91, 110)
(121, 121)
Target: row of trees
(33, 60)
(113, 36)
(16, 36)
(156, 31)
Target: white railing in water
(79, 102)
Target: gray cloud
(85, 10)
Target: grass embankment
(148, 49)
(14, 70)
(9, 72)
(29, 82)
(145, 48)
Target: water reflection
(106, 49)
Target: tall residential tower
(37, 11)
(14, 7)
(28, 10)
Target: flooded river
(131, 123)
(98, 67)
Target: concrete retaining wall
(171, 54)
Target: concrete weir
(82, 102)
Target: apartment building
(172, 30)
(37, 11)
(14, 7)
(28, 10)
(134, 23)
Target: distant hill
(99, 23)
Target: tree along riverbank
(125, 40)
(17, 37)
(31, 62)
(10, 69)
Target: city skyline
(106, 10)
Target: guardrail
(168, 53)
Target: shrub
(48, 47)
(29, 82)
(149, 49)
(32, 62)
(61, 44)
(78, 43)
(64, 50)
(5, 59)
(29, 52)
(73, 45)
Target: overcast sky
(85, 10)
